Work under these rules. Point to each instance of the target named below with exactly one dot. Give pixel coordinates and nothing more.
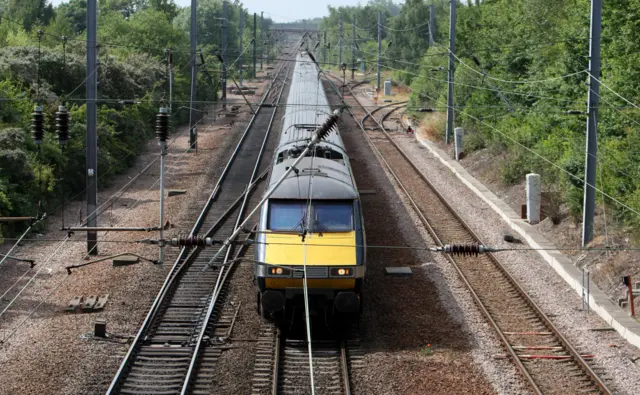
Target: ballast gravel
(422, 335)
(613, 355)
(55, 352)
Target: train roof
(307, 106)
(325, 173)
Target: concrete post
(458, 134)
(533, 198)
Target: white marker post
(458, 134)
(533, 198)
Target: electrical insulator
(162, 124)
(466, 249)
(37, 124)
(62, 125)
(328, 126)
(192, 241)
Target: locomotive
(312, 224)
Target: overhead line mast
(92, 120)
(592, 123)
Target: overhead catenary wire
(482, 87)
(614, 92)
(404, 30)
(68, 238)
(612, 198)
(485, 75)
(62, 242)
(373, 246)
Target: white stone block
(533, 198)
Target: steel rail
(276, 363)
(566, 344)
(180, 262)
(370, 114)
(344, 362)
(385, 116)
(221, 279)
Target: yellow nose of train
(330, 260)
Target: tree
(29, 12)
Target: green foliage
(131, 67)
(535, 40)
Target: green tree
(29, 12)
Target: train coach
(312, 223)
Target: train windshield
(326, 216)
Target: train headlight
(279, 271)
(341, 272)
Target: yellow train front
(313, 221)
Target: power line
(404, 30)
(614, 92)
(481, 87)
(485, 75)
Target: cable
(403, 30)
(15, 245)
(552, 164)
(42, 267)
(548, 161)
(614, 92)
(480, 87)
(515, 82)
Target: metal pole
(340, 42)
(241, 60)
(432, 25)
(224, 54)
(353, 50)
(170, 81)
(379, 48)
(261, 38)
(324, 48)
(92, 119)
(163, 154)
(194, 71)
(254, 43)
(452, 50)
(582, 289)
(588, 290)
(592, 123)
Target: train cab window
(333, 216)
(287, 215)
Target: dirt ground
(48, 350)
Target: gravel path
(402, 315)
(54, 352)
(548, 290)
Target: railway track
(546, 359)
(282, 364)
(176, 348)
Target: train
(313, 220)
